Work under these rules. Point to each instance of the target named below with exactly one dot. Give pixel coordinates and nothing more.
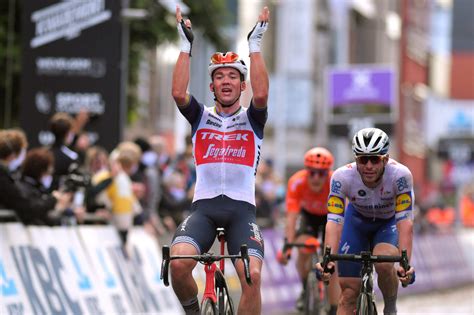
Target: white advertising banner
(103, 248)
(146, 260)
(72, 279)
(15, 270)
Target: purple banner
(280, 284)
(361, 90)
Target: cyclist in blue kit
(377, 217)
(227, 140)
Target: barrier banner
(103, 248)
(72, 278)
(14, 270)
(281, 284)
(145, 260)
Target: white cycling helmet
(228, 59)
(370, 141)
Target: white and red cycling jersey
(392, 197)
(226, 150)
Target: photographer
(35, 181)
(12, 143)
(65, 130)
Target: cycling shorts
(238, 218)
(360, 233)
(310, 224)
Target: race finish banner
(361, 93)
(74, 60)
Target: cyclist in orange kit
(306, 205)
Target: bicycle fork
(209, 291)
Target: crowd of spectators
(139, 182)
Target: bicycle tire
(209, 307)
(224, 300)
(365, 305)
(312, 303)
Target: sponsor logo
(67, 19)
(212, 123)
(403, 202)
(236, 125)
(215, 117)
(402, 184)
(235, 147)
(345, 248)
(336, 186)
(257, 236)
(76, 66)
(185, 222)
(361, 193)
(335, 205)
(75, 102)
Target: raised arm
(258, 71)
(181, 69)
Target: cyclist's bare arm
(181, 71)
(290, 229)
(405, 235)
(258, 71)
(333, 235)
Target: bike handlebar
(206, 258)
(365, 256)
(287, 245)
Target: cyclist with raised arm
(377, 217)
(306, 216)
(227, 140)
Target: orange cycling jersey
(300, 196)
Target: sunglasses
(321, 172)
(374, 159)
(228, 57)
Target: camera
(76, 179)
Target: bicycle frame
(367, 284)
(311, 306)
(215, 281)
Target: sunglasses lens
(364, 159)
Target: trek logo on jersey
(335, 205)
(235, 147)
(403, 202)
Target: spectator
(119, 195)
(61, 125)
(149, 174)
(270, 193)
(12, 142)
(35, 181)
(176, 200)
(97, 161)
(158, 143)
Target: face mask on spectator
(14, 164)
(149, 158)
(134, 169)
(46, 181)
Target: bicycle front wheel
(315, 297)
(208, 307)
(365, 305)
